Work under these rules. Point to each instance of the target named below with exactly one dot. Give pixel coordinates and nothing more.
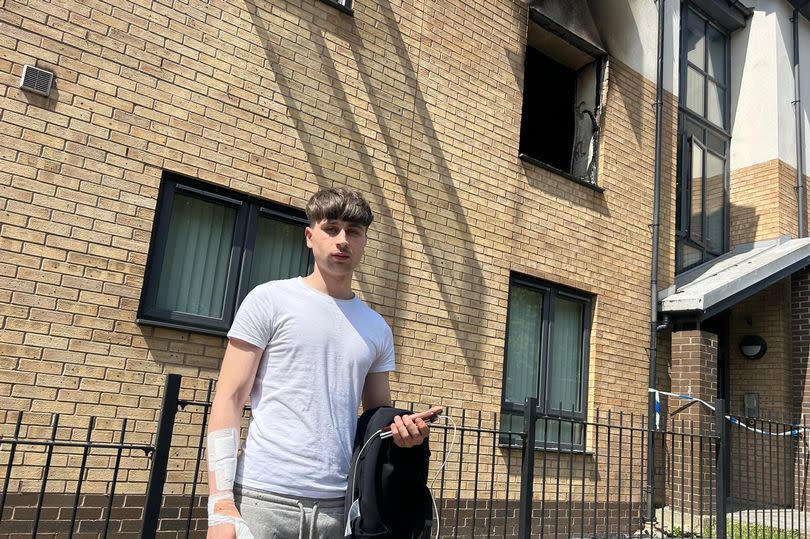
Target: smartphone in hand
(427, 416)
(430, 415)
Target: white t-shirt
(317, 353)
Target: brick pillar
(691, 464)
(800, 322)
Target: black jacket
(390, 483)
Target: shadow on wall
(740, 41)
(744, 224)
(614, 16)
(410, 142)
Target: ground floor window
(210, 246)
(546, 356)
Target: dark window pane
(565, 383)
(695, 89)
(559, 432)
(690, 256)
(696, 195)
(716, 143)
(511, 425)
(523, 346)
(693, 129)
(717, 55)
(195, 265)
(715, 203)
(695, 40)
(716, 104)
(280, 251)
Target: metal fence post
(722, 467)
(527, 467)
(160, 457)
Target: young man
(307, 351)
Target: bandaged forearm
(223, 446)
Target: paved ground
(695, 526)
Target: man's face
(337, 246)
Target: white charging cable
(354, 510)
(444, 463)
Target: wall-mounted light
(753, 346)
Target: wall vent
(36, 80)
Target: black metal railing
(551, 476)
(34, 499)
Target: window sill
(340, 7)
(534, 161)
(564, 451)
(180, 326)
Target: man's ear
(308, 236)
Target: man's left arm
(406, 432)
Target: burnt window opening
(563, 86)
(551, 86)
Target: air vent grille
(36, 80)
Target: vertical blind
(195, 264)
(564, 392)
(279, 252)
(199, 246)
(523, 349)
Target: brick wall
(276, 101)
(763, 201)
(769, 314)
(800, 335)
(418, 105)
(694, 372)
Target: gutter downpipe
(797, 108)
(659, 109)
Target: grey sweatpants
(277, 516)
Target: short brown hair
(343, 204)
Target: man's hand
(224, 520)
(221, 531)
(408, 433)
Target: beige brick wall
(763, 201)
(417, 104)
(694, 372)
(769, 313)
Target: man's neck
(338, 289)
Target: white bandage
(217, 519)
(222, 448)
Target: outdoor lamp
(753, 346)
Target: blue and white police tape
(658, 394)
(733, 420)
(791, 432)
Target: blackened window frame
(708, 129)
(600, 57)
(248, 210)
(544, 408)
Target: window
(343, 5)
(702, 190)
(546, 356)
(210, 247)
(562, 96)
